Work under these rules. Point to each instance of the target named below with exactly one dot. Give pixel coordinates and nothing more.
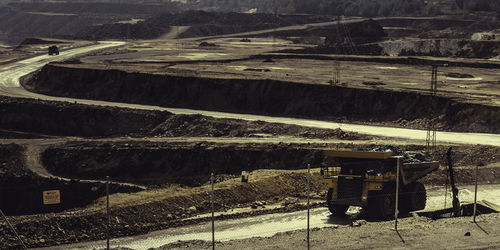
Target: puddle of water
(279, 68)
(257, 226)
(490, 193)
(237, 67)
(271, 224)
(464, 79)
(387, 67)
(196, 56)
(260, 226)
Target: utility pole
(336, 73)
(212, 179)
(431, 126)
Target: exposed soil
(262, 97)
(21, 189)
(191, 163)
(62, 118)
(439, 37)
(140, 148)
(155, 209)
(28, 118)
(168, 205)
(201, 24)
(417, 232)
(22, 20)
(198, 125)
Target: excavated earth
(21, 188)
(264, 96)
(177, 174)
(160, 163)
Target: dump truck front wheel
(335, 209)
(382, 204)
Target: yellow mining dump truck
(368, 179)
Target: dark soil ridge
(409, 60)
(71, 227)
(265, 96)
(69, 119)
(168, 212)
(156, 163)
(21, 189)
(199, 125)
(29, 118)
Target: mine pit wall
(24, 195)
(68, 119)
(21, 190)
(185, 165)
(191, 163)
(260, 97)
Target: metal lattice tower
(346, 38)
(336, 73)
(431, 123)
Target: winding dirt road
(10, 86)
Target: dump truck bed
(410, 172)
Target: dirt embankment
(191, 163)
(68, 119)
(201, 24)
(199, 125)
(187, 164)
(262, 97)
(28, 118)
(155, 210)
(19, 20)
(21, 189)
(170, 205)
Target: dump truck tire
(418, 196)
(413, 197)
(335, 209)
(405, 204)
(381, 204)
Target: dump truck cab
(368, 180)
(53, 50)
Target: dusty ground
(174, 154)
(36, 46)
(417, 233)
(479, 86)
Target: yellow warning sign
(51, 197)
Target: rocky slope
(262, 97)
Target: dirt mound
(11, 163)
(170, 206)
(202, 24)
(262, 97)
(96, 7)
(21, 20)
(362, 32)
(62, 118)
(21, 189)
(198, 125)
(442, 48)
(184, 163)
(158, 209)
(140, 30)
(190, 163)
(30, 41)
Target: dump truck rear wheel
(418, 196)
(335, 209)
